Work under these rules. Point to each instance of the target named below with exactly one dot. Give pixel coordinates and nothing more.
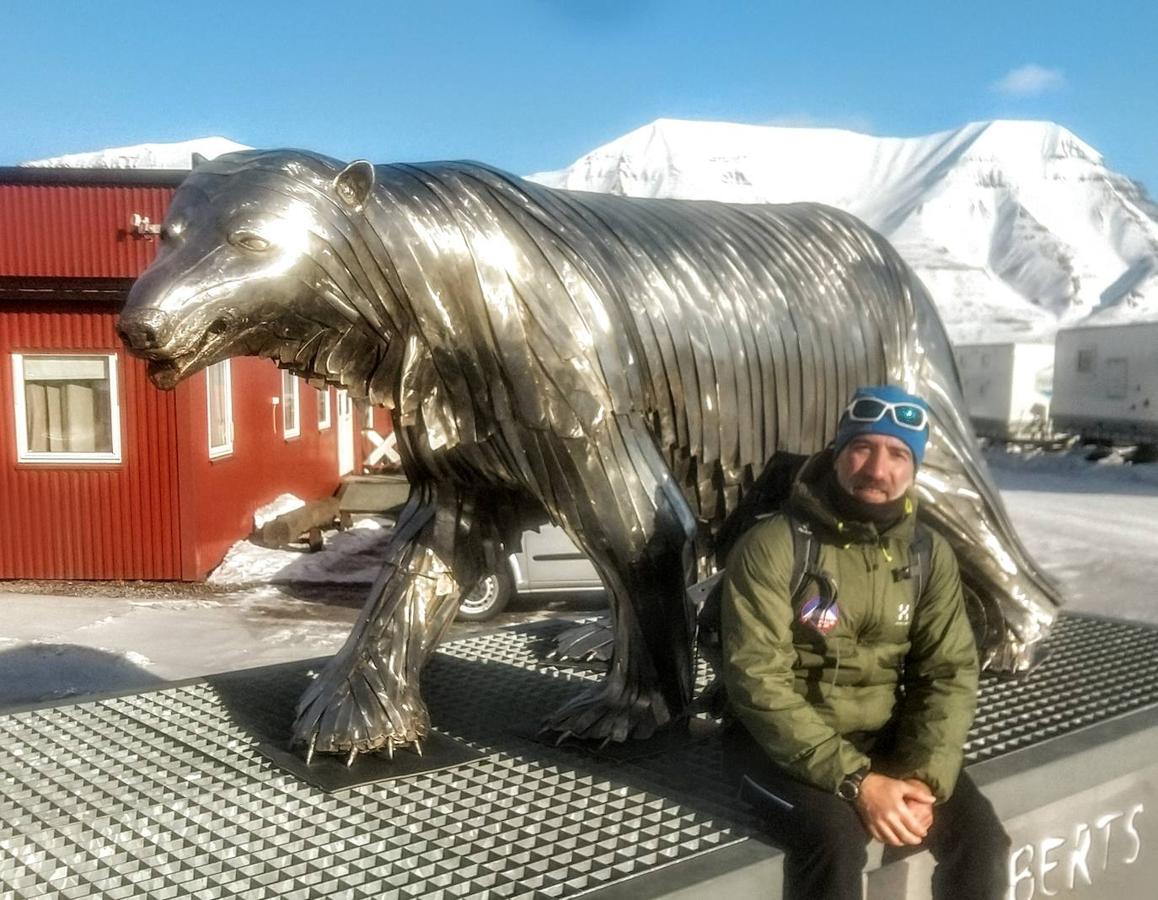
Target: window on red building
(219, 393)
(67, 408)
(324, 420)
(291, 419)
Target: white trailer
(1007, 388)
(1106, 382)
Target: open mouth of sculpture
(167, 368)
(167, 373)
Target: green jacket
(817, 701)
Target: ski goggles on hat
(904, 414)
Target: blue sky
(530, 85)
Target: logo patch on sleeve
(904, 613)
(820, 615)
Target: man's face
(875, 468)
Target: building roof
(66, 176)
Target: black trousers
(825, 843)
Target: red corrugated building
(104, 476)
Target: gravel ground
(137, 590)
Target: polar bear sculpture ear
(354, 183)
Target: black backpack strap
(921, 560)
(806, 565)
(805, 555)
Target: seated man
(854, 689)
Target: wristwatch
(849, 787)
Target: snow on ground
(1090, 525)
(276, 606)
(349, 557)
(56, 647)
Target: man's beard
(884, 515)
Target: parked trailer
(1106, 382)
(1007, 388)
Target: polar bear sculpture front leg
(368, 696)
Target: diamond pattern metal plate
(165, 794)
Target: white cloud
(1029, 81)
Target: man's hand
(922, 809)
(895, 812)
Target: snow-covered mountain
(177, 155)
(1016, 227)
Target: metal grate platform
(165, 794)
(1097, 669)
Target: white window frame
(324, 403)
(23, 454)
(290, 386)
(226, 449)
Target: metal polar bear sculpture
(625, 367)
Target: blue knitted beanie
(886, 424)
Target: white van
(546, 561)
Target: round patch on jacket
(820, 615)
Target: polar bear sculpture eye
(249, 240)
